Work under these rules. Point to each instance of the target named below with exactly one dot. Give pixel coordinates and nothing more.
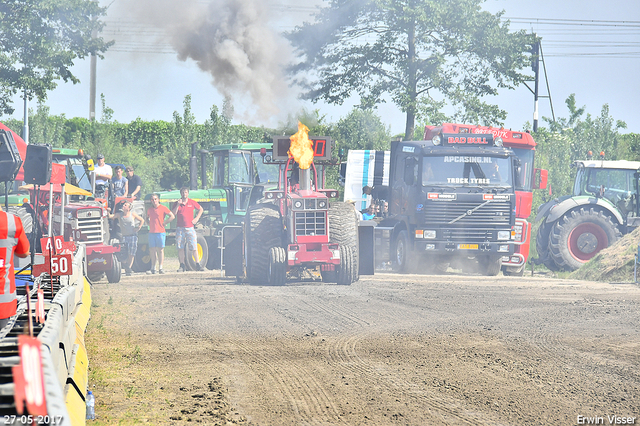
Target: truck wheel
(490, 266)
(213, 262)
(277, 266)
(115, 273)
(25, 218)
(263, 231)
(142, 261)
(511, 271)
(202, 248)
(542, 246)
(95, 276)
(579, 235)
(401, 250)
(343, 230)
(346, 274)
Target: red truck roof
(510, 138)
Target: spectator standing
(127, 220)
(135, 184)
(185, 232)
(12, 240)
(157, 215)
(120, 183)
(103, 172)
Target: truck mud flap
(232, 255)
(366, 252)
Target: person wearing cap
(103, 174)
(135, 184)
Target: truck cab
(452, 198)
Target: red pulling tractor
(295, 227)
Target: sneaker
(151, 272)
(160, 271)
(181, 268)
(198, 267)
(128, 273)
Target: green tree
(39, 41)
(418, 52)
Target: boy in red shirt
(185, 232)
(12, 240)
(156, 215)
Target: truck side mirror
(540, 178)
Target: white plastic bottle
(91, 406)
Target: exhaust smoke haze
(229, 39)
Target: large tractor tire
(202, 248)
(542, 246)
(277, 266)
(347, 263)
(94, 277)
(263, 230)
(343, 230)
(142, 261)
(25, 218)
(115, 273)
(579, 235)
(400, 261)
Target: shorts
(131, 244)
(157, 239)
(188, 234)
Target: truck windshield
(460, 170)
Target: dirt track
(390, 349)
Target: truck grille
(311, 223)
(91, 228)
(490, 216)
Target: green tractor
(233, 177)
(603, 207)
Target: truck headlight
(503, 248)
(504, 235)
(430, 234)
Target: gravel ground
(184, 348)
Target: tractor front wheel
(579, 235)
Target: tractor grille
(91, 227)
(492, 215)
(311, 223)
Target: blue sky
(592, 49)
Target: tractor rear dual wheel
(346, 273)
(579, 235)
(343, 230)
(263, 230)
(277, 266)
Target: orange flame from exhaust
(301, 147)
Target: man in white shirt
(103, 174)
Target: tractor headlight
(297, 204)
(322, 204)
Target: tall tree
(39, 41)
(418, 52)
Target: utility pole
(535, 66)
(92, 83)
(25, 122)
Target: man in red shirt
(156, 215)
(12, 240)
(185, 232)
